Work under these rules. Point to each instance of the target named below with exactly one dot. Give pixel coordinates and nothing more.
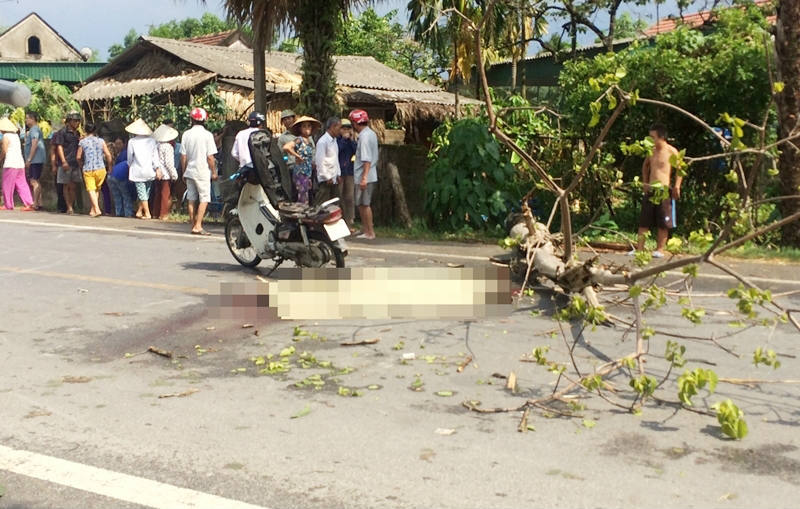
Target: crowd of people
(137, 174)
(342, 163)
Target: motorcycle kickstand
(278, 262)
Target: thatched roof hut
(171, 70)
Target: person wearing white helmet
(241, 145)
(199, 168)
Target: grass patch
(422, 232)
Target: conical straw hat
(7, 126)
(296, 126)
(165, 133)
(139, 127)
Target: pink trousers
(14, 180)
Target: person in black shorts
(34, 156)
(657, 170)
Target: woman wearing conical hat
(165, 137)
(13, 167)
(144, 164)
(302, 149)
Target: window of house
(34, 46)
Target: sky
(99, 24)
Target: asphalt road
(84, 424)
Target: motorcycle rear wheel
(335, 255)
(235, 237)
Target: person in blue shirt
(347, 153)
(121, 188)
(34, 156)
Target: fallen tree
(552, 255)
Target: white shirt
(197, 144)
(13, 152)
(241, 147)
(142, 158)
(327, 159)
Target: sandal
(201, 232)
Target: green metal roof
(62, 72)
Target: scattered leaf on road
(445, 431)
(427, 454)
(76, 379)
(247, 325)
(444, 394)
(464, 364)
(589, 424)
(159, 351)
(359, 343)
(38, 412)
(302, 413)
(211, 328)
(178, 394)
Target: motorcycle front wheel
(238, 243)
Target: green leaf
(444, 394)
(589, 423)
(302, 413)
(778, 87)
(620, 73)
(612, 101)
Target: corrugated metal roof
(62, 72)
(110, 88)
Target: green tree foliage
(206, 24)
(383, 38)
(155, 113)
(626, 27)
(450, 37)
(130, 39)
(723, 71)
(470, 177)
(50, 100)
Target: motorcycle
(266, 224)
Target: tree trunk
(316, 24)
(259, 68)
(514, 72)
(455, 78)
(787, 47)
(399, 195)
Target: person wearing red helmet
(365, 170)
(199, 168)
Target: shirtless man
(657, 169)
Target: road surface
(84, 421)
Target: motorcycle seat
(293, 210)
